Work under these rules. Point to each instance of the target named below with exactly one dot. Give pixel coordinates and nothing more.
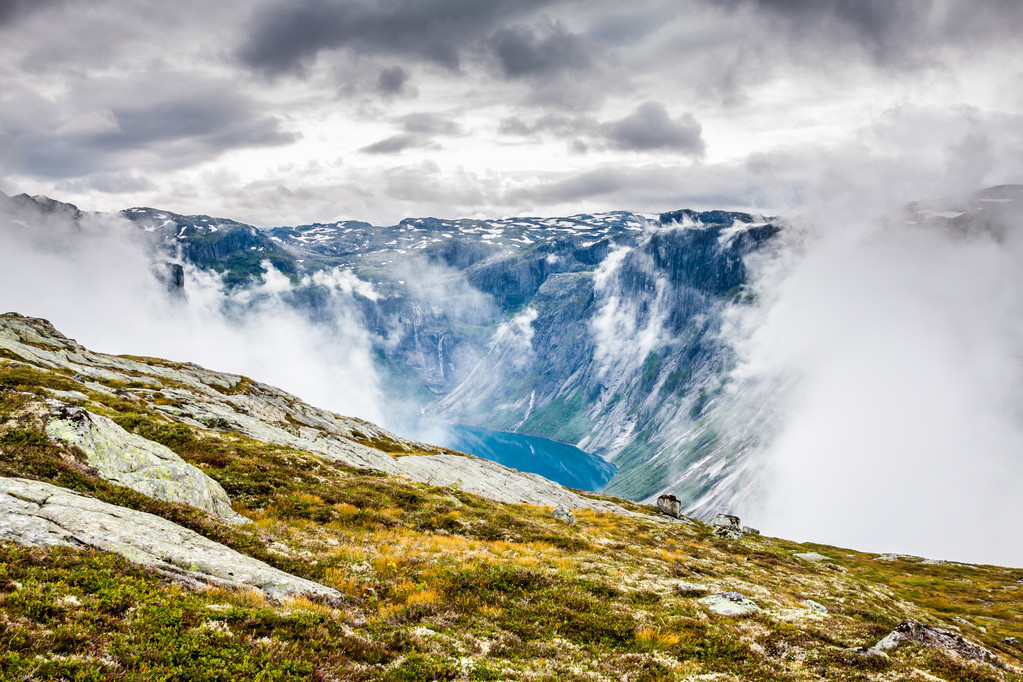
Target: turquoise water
(565, 464)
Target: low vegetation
(438, 583)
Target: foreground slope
(404, 579)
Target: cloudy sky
(287, 111)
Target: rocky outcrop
(497, 482)
(137, 463)
(202, 398)
(40, 514)
(930, 636)
(727, 527)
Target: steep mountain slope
(352, 572)
(599, 331)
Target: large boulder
(137, 463)
(670, 505)
(930, 636)
(40, 514)
(727, 526)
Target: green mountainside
(161, 521)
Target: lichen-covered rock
(811, 556)
(727, 527)
(747, 530)
(930, 636)
(687, 589)
(815, 607)
(40, 514)
(563, 514)
(729, 604)
(137, 463)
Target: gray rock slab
(497, 482)
(729, 604)
(137, 463)
(40, 514)
(811, 556)
(687, 589)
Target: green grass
(438, 583)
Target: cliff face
(595, 330)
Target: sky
(290, 111)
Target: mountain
(600, 331)
(163, 520)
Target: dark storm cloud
(12, 10)
(891, 33)
(538, 51)
(651, 128)
(286, 36)
(420, 129)
(393, 80)
(167, 120)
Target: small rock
(870, 652)
(685, 589)
(835, 567)
(730, 604)
(563, 513)
(811, 556)
(1011, 641)
(746, 530)
(726, 527)
(815, 606)
(929, 636)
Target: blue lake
(560, 462)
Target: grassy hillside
(439, 583)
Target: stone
(835, 567)
(746, 530)
(870, 652)
(137, 463)
(670, 505)
(727, 527)
(563, 514)
(1011, 641)
(729, 604)
(816, 607)
(687, 589)
(811, 556)
(930, 636)
(40, 514)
